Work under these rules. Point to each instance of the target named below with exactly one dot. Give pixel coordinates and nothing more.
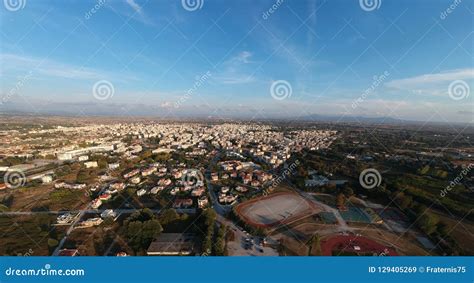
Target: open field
(461, 231)
(44, 198)
(27, 235)
(275, 209)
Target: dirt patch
(275, 209)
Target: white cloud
(13, 63)
(244, 57)
(235, 70)
(45, 67)
(235, 79)
(434, 84)
(137, 8)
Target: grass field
(26, 234)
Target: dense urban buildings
(151, 187)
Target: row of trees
(219, 245)
(208, 224)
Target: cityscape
(252, 128)
(188, 188)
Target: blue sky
(402, 59)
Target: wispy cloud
(434, 84)
(243, 57)
(235, 79)
(13, 63)
(137, 8)
(235, 69)
(138, 13)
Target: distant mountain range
(92, 109)
(352, 119)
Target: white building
(47, 179)
(83, 158)
(91, 164)
(108, 213)
(71, 154)
(113, 166)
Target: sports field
(275, 209)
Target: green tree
(428, 222)
(168, 216)
(141, 228)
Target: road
(98, 211)
(78, 218)
(235, 247)
(220, 209)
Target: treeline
(437, 230)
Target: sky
(404, 59)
